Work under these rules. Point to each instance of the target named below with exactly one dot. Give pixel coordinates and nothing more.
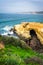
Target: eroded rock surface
(32, 33)
(34, 60)
(23, 29)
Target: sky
(13, 6)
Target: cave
(33, 33)
(34, 42)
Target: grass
(16, 51)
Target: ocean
(7, 21)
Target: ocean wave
(7, 33)
(11, 34)
(7, 28)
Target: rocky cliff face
(24, 30)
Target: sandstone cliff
(23, 30)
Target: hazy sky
(13, 6)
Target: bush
(14, 41)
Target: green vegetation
(16, 51)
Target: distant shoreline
(31, 12)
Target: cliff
(23, 30)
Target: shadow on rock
(34, 42)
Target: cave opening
(33, 33)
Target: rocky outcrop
(34, 60)
(23, 30)
(31, 33)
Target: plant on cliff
(16, 52)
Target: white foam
(7, 28)
(4, 33)
(10, 32)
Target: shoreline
(12, 32)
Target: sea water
(7, 21)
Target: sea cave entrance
(33, 33)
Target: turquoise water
(7, 21)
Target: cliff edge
(23, 30)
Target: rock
(2, 45)
(23, 30)
(35, 43)
(31, 33)
(34, 60)
(11, 29)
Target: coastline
(20, 51)
(13, 31)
